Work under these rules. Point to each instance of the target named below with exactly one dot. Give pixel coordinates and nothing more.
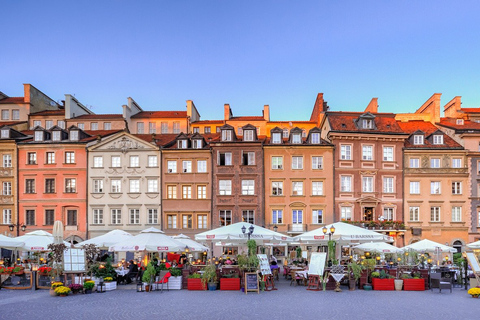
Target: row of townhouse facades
(171, 170)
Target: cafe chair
(164, 276)
(437, 282)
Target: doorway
(368, 213)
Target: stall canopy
(192, 245)
(10, 243)
(233, 233)
(345, 233)
(152, 240)
(426, 245)
(108, 239)
(377, 247)
(37, 240)
(474, 245)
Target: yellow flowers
(57, 284)
(108, 279)
(62, 290)
(474, 291)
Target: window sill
(72, 163)
(97, 224)
(115, 224)
(97, 167)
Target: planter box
(109, 286)
(175, 283)
(196, 284)
(383, 284)
(414, 284)
(229, 283)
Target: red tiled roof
(160, 139)
(49, 113)
(452, 123)
(428, 128)
(161, 114)
(208, 137)
(98, 117)
(248, 118)
(208, 122)
(11, 123)
(285, 122)
(470, 110)
(13, 100)
(345, 122)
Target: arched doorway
(458, 245)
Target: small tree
(57, 251)
(91, 252)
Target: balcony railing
(378, 225)
(297, 228)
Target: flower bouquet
(474, 292)
(62, 291)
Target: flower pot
(398, 284)
(351, 284)
(52, 292)
(212, 286)
(367, 287)
(88, 291)
(175, 283)
(474, 295)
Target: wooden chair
(275, 273)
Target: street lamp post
(330, 233)
(19, 227)
(250, 230)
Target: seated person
(132, 272)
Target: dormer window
(248, 135)
(460, 121)
(437, 139)
(315, 138)
(296, 138)
(418, 139)
(38, 135)
(56, 136)
(367, 124)
(74, 135)
(197, 144)
(5, 133)
(182, 144)
(285, 133)
(276, 137)
(226, 135)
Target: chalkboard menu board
(264, 265)
(74, 260)
(251, 282)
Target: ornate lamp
(101, 288)
(139, 286)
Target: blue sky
(245, 53)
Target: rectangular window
(71, 217)
(98, 162)
(248, 135)
(346, 183)
(387, 153)
(296, 138)
(5, 133)
(435, 163)
(456, 187)
(317, 216)
(94, 126)
(315, 138)
(172, 166)
(30, 186)
(152, 185)
(70, 185)
(456, 214)
(187, 221)
(7, 160)
(201, 166)
(32, 158)
(187, 166)
(49, 217)
(73, 135)
(134, 185)
(140, 128)
(7, 216)
(248, 158)
(163, 125)
(202, 221)
(134, 161)
(172, 221)
(152, 161)
(97, 216)
(15, 114)
(7, 188)
(182, 144)
(30, 217)
(171, 192)
(345, 152)
(277, 163)
(277, 216)
(456, 163)
(197, 144)
(387, 184)
(297, 162)
(276, 138)
(297, 188)
(277, 188)
(346, 213)
(414, 163)
(317, 188)
(297, 216)
(248, 187)
(367, 184)
(176, 127)
(37, 123)
(414, 187)
(48, 124)
(152, 216)
(107, 126)
(115, 161)
(248, 216)
(56, 136)
(186, 192)
(225, 218)
(435, 187)
(435, 214)
(367, 152)
(317, 163)
(152, 128)
(224, 159)
(81, 126)
(225, 187)
(49, 185)
(201, 192)
(207, 130)
(196, 130)
(116, 185)
(226, 135)
(50, 157)
(418, 139)
(437, 139)
(134, 216)
(69, 157)
(116, 216)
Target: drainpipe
(263, 185)
(86, 195)
(334, 185)
(17, 190)
(161, 186)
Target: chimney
(227, 112)
(372, 106)
(452, 108)
(266, 112)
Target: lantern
(101, 288)
(140, 286)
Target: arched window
(458, 245)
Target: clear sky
(245, 53)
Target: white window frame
(115, 185)
(367, 184)
(297, 162)
(345, 183)
(152, 185)
(172, 166)
(388, 153)
(7, 160)
(414, 162)
(297, 188)
(97, 216)
(317, 162)
(98, 162)
(134, 161)
(437, 139)
(116, 162)
(418, 139)
(435, 214)
(134, 215)
(414, 187)
(456, 162)
(277, 216)
(367, 152)
(317, 188)
(201, 192)
(152, 161)
(456, 214)
(116, 216)
(388, 185)
(152, 216)
(97, 185)
(134, 186)
(277, 188)
(225, 187)
(435, 163)
(345, 152)
(186, 192)
(248, 187)
(277, 163)
(201, 166)
(414, 213)
(187, 166)
(456, 187)
(435, 187)
(346, 213)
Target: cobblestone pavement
(288, 302)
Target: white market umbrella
(426, 245)
(474, 245)
(108, 239)
(233, 233)
(345, 233)
(193, 246)
(37, 240)
(151, 239)
(10, 243)
(57, 232)
(377, 247)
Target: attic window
(437, 139)
(247, 135)
(5, 133)
(182, 144)
(226, 135)
(418, 139)
(344, 125)
(74, 135)
(460, 121)
(315, 138)
(56, 136)
(276, 137)
(197, 144)
(38, 135)
(296, 138)
(367, 124)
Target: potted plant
(210, 276)
(230, 282)
(88, 286)
(474, 292)
(149, 276)
(382, 281)
(369, 265)
(62, 291)
(194, 282)
(175, 281)
(75, 288)
(354, 273)
(53, 286)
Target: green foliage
(299, 252)
(149, 273)
(406, 276)
(209, 274)
(176, 272)
(252, 247)
(194, 276)
(247, 262)
(375, 274)
(383, 275)
(331, 250)
(101, 271)
(355, 270)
